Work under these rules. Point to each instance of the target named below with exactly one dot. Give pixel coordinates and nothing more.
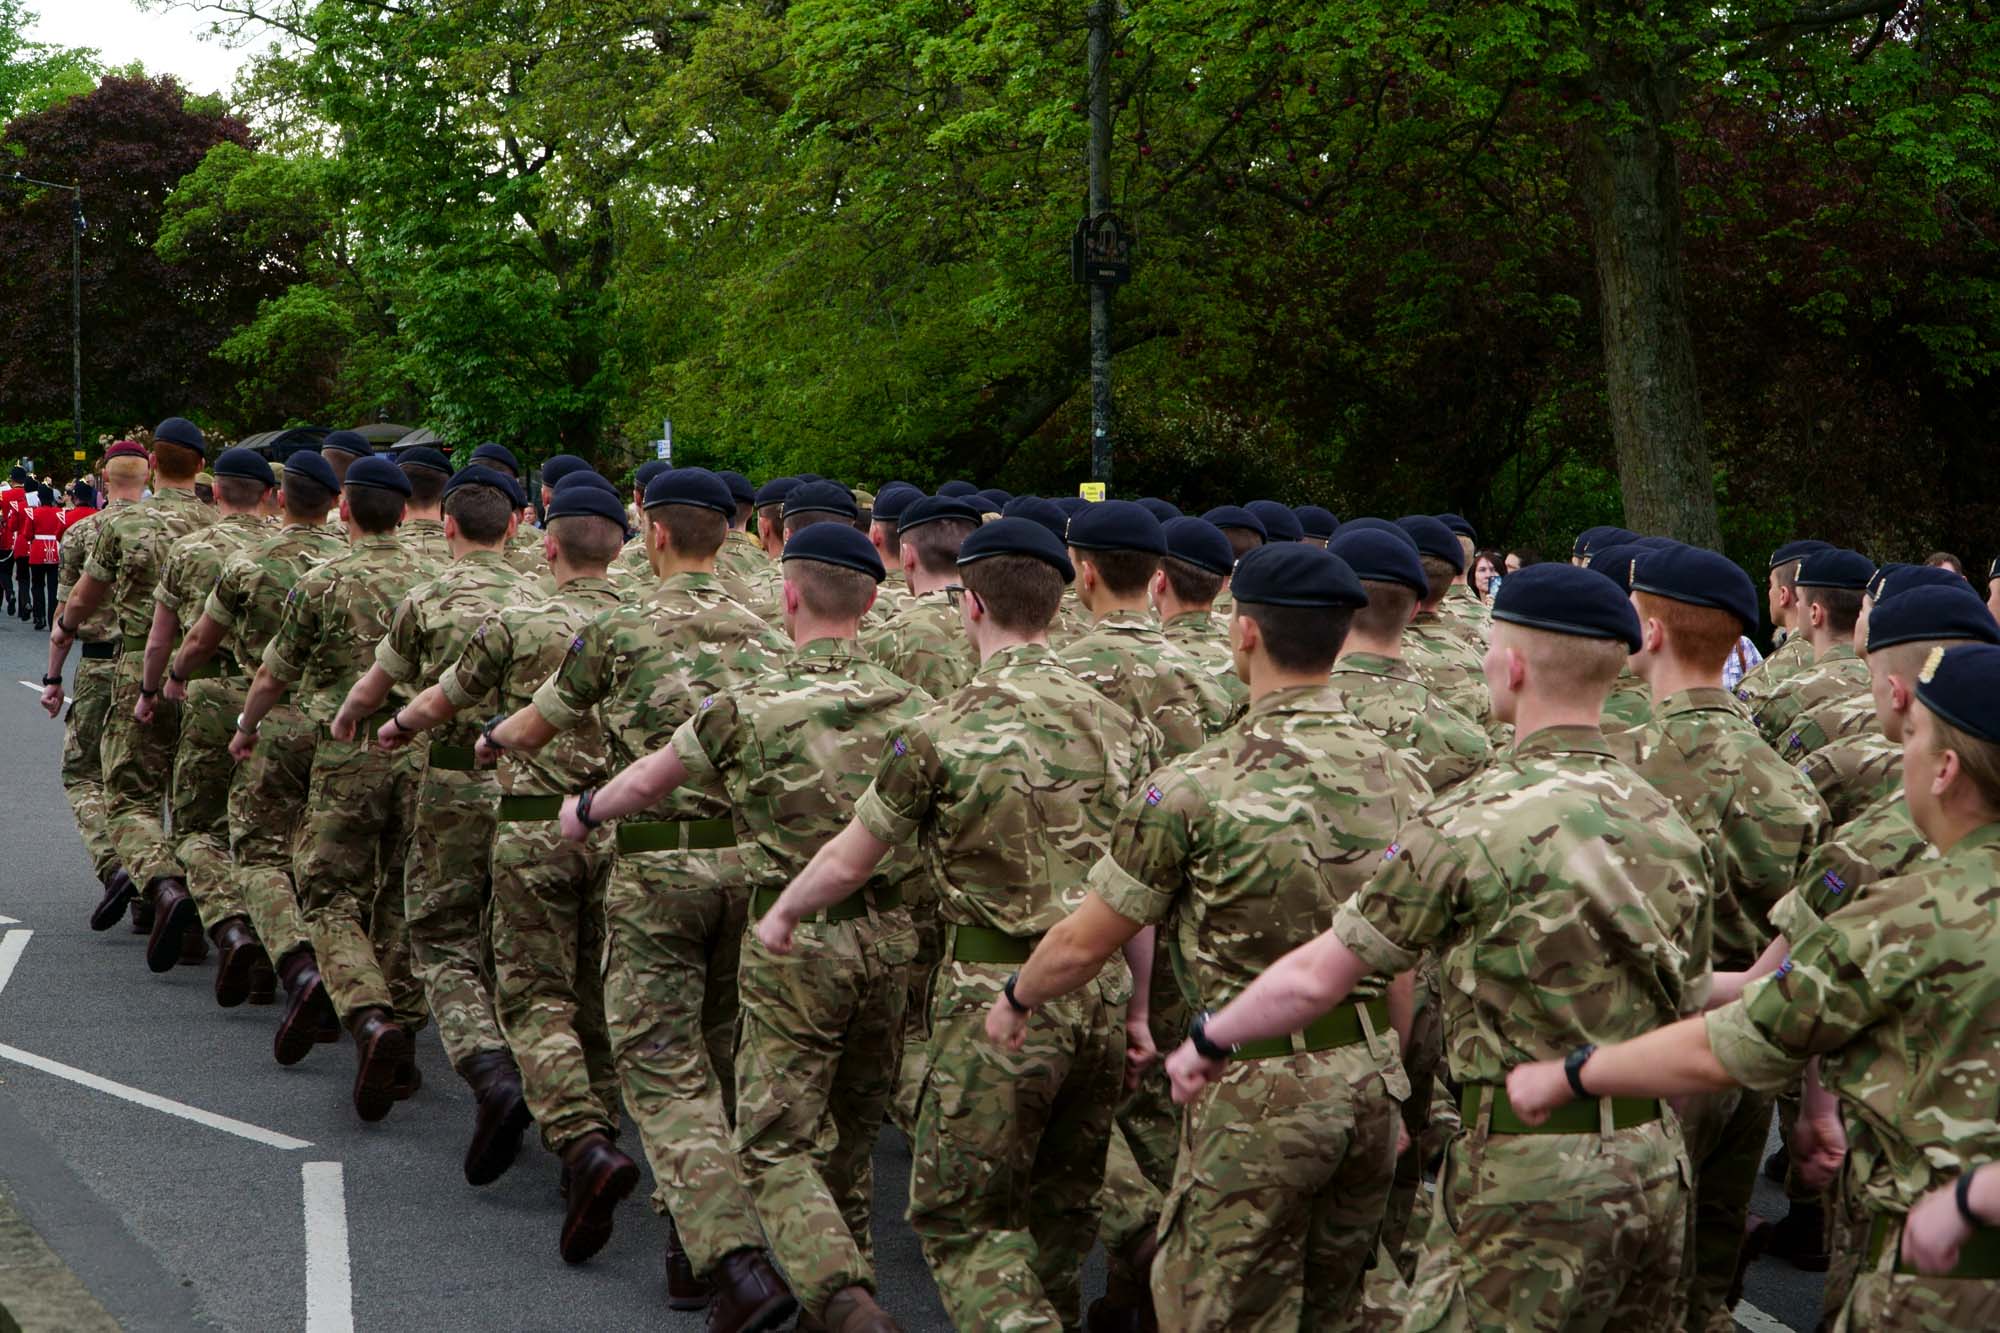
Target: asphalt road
(176, 1222)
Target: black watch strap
(1198, 1038)
(145, 693)
(583, 802)
(51, 680)
(1961, 1194)
(1573, 1068)
(1013, 1001)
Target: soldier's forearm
(1672, 1061)
(367, 694)
(1291, 993)
(1729, 986)
(265, 692)
(197, 647)
(641, 784)
(1139, 957)
(159, 646)
(427, 710)
(1075, 950)
(527, 729)
(836, 871)
(1403, 1007)
(84, 599)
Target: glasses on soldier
(953, 592)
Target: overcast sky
(166, 42)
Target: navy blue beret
(998, 497)
(1071, 505)
(1993, 571)
(1380, 557)
(422, 455)
(1236, 516)
(245, 463)
(1699, 578)
(643, 474)
(181, 431)
(1616, 562)
(1290, 573)
(1835, 567)
(774, 491)
(1434, 539)
(1199, 542)
(1792, 552)
(695, 486)
(479, 475)
(1894, 579)
(1116, 525)
(1604, 535)
(958, 490)
(822, 497)
(739, 485)
(582, 500)
(840, 544)
(590, 478)
(1037, 510)
(1017, 536)
(1280, 523)
(979, 502)
(935, 509)
(805, 477)
(1369, 523)
(379, 474)
(1316, 521)
(559, 466)
(1935, 612)
(1459, 525)
(490, 452)
(892, 500)
(347, 442)
(308, 464)
(1962, 686)
(1566, 599)
(1159, 509)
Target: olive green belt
(1978, 1257)
(676, 835)
(97, 650)
(457, 758)
(980, 944)
(1341, 1027)
(850, 908)
(216, 668)
(135, 643)
(523, 809)
(1580, 1117)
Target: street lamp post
(75, 297)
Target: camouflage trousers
(1278, 1198)
(1882, 1300)
(138, 760)
(349, 871)
(198, 796)
(916, 1018)
(267, 816)
(675, 928)
(1145, 1140)
(1555, 1231)
(83, 764)
(548, 975)
(447, 899)
(815, 1069)
(1430, 1114)
(1725, 1134)
(1009, 1155)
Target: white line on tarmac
(153, 1101)
(12, 945)
(329, 1279)
(1757, 1321)
(31, 685)
(8, 921)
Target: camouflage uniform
(548, 893)
(425, 537)
(1838, 719)
(816, 1050)
(742, 557)
(1898, 998)
(1197, 634)
(1854, 772)
(1566, 895)
(1629, 705)
(1762, 822)
(524, 551)
(674, 917)
(1880, 843)
(1448, 667)
(1241, 852)
(1391, 700)
(127, 552)
(1837, 675)
(1760, 682)
(1010, 788)
(360, 801)
(447, 885)
(925, 645)
(267, 793)
(89, 699)
(1465, 615)
(198, 798)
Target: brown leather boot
(853, 1310)
(749, 1295)
(500, 1119)
(174, 915)
(263, 981)
(119, 890)
(381, 1048)
(309, 1016)
(409, 1080)
(240, 952)
(142, 914)
(194, 946)
(599, 1177)
(685, 1291)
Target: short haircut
(240, 492)
(1567, 666)
(127, 470)
(1978, 759)
(1123, 573)
(830, 591)
(1388, 612)
(426, 486)
(1300, 638)
(1945, 560)
(863, 518)
(586, 539)
(1020, 592)
(1701, 637)
(937, 544)
(373, 509)
(175, 462)
(744, 512)
(693, 531)
(1786, 574)
(771, 516)
(306, 498)
(1191, 583)
(1440, 575)
(1242, 540)
(797, 523)
(480, 512)
(1843, 606)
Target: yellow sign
(1092, 491)
(79, 455)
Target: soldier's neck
(1266, 679)
(567, 573)
(1666, 677)
(1362, 643)
(1169, 607)
(806, 629)
(668, 563)
(1824, 641)
(412, 514)
(1108, 606)
(999, 641)
(294, 521)
(923, 583)
(1533, 713)
(162, 484)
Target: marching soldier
(422, 530)
(922, 642)
(1446, 659)
(1193, 574)
(1830, 586)
(1782, 604)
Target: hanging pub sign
(1101, 251)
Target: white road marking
(153, 1101)
(329, 1279)
(8, 921)
(1757, 1321)
(31, 685)
(12, 945)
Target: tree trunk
(1630, 180)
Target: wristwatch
(583, 801)
(51, 680)
(1008, 991)
(1961, 1194)
(1573, 1068)
(1198, 1038)
(246, 730)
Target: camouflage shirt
(131, 546)
(1881, 842)
(1565, 897)
(524, 551)
(1761, 820)
(1630, 703)
(742, 557)
(1245, 848)
(509, 657)
(425, 536)
(1125, 656)
(70, 556)
(1387, 696)
(251, 589)
(1834, 720)
(194, 564)
(1789, 658)
(333, 616)
(1838, 675)
(1854, 772)
(792, 749)
(1196, 634)
(1899, 999)
(430, 628)
(1010, 788)
(1465, 615)
(1448, 666)
(925, 645)
(641, 670)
